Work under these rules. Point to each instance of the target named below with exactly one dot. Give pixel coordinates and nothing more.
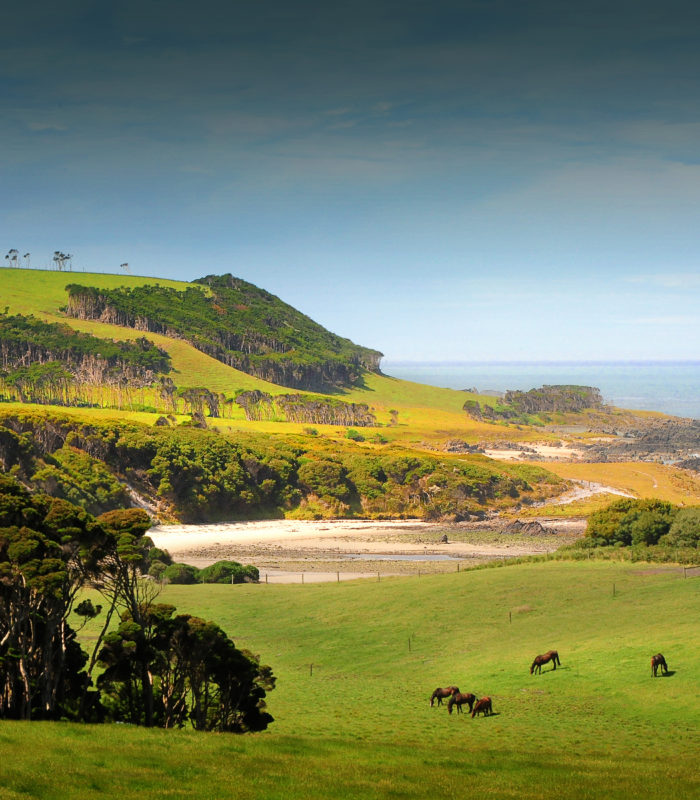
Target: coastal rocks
(668, 440)
(530, 528)
(689, 463)
(460, 446)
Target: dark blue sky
(443, 180)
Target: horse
(439, 694)
(458, 699)
(658, 661)
(550, 655)
(483, 706)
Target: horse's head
(450, 703)
(532, 667)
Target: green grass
(360, 726)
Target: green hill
(236, 323)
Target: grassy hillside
(425, 412)
(358, 725)
(646, 479)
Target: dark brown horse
(658, 661)
(440, 694)
(483, 706)
(551, 655)
(458, 699)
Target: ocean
(670, 387)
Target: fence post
(337, 575)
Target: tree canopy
(158, 668)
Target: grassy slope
(644, 479)
(361, 727)
(424, 411)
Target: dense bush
(198, 475)
(228, 572)
(181, 573)
(631, 522)
(685, 529)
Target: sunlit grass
(357, 724)
(643, 479)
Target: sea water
(671, 387)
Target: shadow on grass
(668, 674)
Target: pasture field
(358, 724)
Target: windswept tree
(48, 549)
(200, 677)
(159, 669)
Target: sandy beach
(332, 550)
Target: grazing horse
(439, 694)
(551, 655)
(483, 706)
(658, 661)
(458, 699)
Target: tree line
(200, 475)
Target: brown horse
(483, 706)
(439, 694)
(458, 699)
(551, 655)
(658, 661)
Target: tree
(122, 583)
(685, 530)
(48, 549)
(200, 675)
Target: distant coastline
(672, 387)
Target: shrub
(181, 573)
(228, 572)
(685, 530)
(630, 521)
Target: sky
(443, 181)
